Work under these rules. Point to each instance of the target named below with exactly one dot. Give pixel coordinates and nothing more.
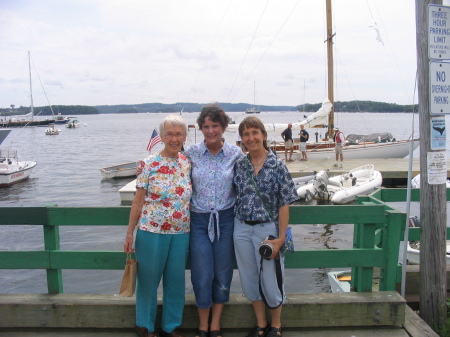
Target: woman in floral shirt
(160, 211)
(213, 198)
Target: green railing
(378, 229)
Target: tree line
(67, 110)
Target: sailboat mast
(329, 41)
(254, 94)
(31, 91)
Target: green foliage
(66, 110)
(362, 106)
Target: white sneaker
(336, 165)
(340, 165)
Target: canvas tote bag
(128, 285)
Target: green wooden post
(391, 238)
(51, 242)
(364, 275)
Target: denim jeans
(247, 240)
(211, 262)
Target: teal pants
(160, 256)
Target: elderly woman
(212, 219)
(264, 191)
(160, 211)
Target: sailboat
(253, 109)
(325, 117)
(29, 119)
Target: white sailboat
(325, 116)
(253, 110)
(29, 118)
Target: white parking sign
(439, 88)
(438, 32)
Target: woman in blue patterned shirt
(212, 219)
(260, 214)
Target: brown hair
(255, 123)
(215, 113)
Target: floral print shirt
(274, 183)
(212, 177)
(169, 190)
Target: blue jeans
(160, 256)
(211, 262)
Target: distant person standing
(288, 142)
(304, 136)
(339, 139)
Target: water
(68, 174)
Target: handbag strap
(257, 190)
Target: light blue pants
(160, 256)
(247, 240)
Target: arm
(283, 221)
(136, 207)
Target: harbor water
(68, 174)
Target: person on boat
(264, 191)
(304, 136)
(288, 142)
(339, 139)
(212, 218)
(161, 213)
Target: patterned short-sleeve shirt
(169, 190)
(212, 177)
(275, 185)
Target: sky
(268, 52)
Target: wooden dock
(382, 314)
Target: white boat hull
(339, 281)
(120, 171)
(343, 188)
(15, 172)
(127, 192)
(415, 182)
(398, 149)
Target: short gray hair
(175, 120)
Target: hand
(128, 244)
(276, 244)
(140, 168)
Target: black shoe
(258, 332)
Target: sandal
(256, 331)
(215, 333)
(274, 332)
(201, 333)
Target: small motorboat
(72, 123)
(12, 170)
(120, 171)
(343, 188)
(52, 130)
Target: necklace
(260, 161)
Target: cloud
(128, 52)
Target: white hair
(175, 120)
